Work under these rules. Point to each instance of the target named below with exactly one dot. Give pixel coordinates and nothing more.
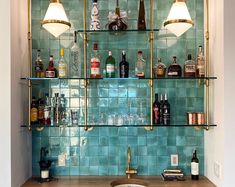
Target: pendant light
(55, 21)
(178, 20)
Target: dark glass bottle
(166, 111)
(110, 66)
(51, 71)
(141, 17)
(34, 111)
(124, 66)
(161, 109)
(156, 110)
(40, 110)
(174, 70)
(47, 110)
(195, 167)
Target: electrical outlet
(61, 160)
(217, 169)
(174, 160)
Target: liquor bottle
(166, 111)
(195, 167)
(141, 17)
(161, 109)
(200, 63)
(95, 22)
(110, 66)
(47, 110)
(40, 110)
(159, 69)
(124, 66)
(174, 70)
(34, 111)
(63, 113)
(189, 67)
(140, 65)
(95, 63)
(75, 59)
(51, 71)
(39, 69)
(56, 109)
(156, 110)
(118, 23)
(62, 65)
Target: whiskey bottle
(140, 65)
(62, 65)
(39, 69)
(124, 66)
(156, 110)
(189, 67)
(174, 70)
(166, 111)
(34, 111)
(195, 167)
(159, 69)
(200, 63)
(95, 22)
(51, 71)
(141, 18)
(95, 63)
(110, 66)
(75, 59)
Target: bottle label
(160, 71)
(62, 70)
(173, 73)
(190, 68)
(201, 69)
(194, 168)
(40, 113)
(46, 113)
(34, 114)
(109, 68)
(50, 74)
(95, 66)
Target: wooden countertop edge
(105, 181)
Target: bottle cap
(95, 1)
(110, 53)
(123, 52)
(95, 46)
(189, 57)
(140, 52)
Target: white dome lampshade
(55, 21)
(178, 20)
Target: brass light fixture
(178, 20)
(56, 21)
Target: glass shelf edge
(117, 31)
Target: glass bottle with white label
(200, 63)
(110, 66)
(189, 67)
(62, 69)
(174, 70)
(95, 63)
(195, 167)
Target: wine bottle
(110, 66)
(156, 110)
(161, 109)
(195, 167)
(166, 111)
(124, 66)
(141, 17)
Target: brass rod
(207, 66)
(29, 64)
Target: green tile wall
(103, 151)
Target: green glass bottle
(110, 66)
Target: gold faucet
(129, 171)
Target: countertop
(103, 181)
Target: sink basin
(129, 183)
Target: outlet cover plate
(174, 160)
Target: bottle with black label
(156, 108)
(124, 66)
(195, 167)
(166, 111)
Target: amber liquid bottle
(141, 18)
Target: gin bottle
(140, 65)
(110, 66)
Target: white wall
(5, 161)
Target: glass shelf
(119, 126)
(117, 31)
(130, 78)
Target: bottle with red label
(51, 71)
(95, 63)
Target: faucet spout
(129, 171)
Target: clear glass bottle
(62, 67)
(51, 71)
(200, 63)
(39, 69)
(140, 65)
(95, 22)
(189, 67)
(159, 69)
(95, 63)
(141, 18)
(110, 66)
(174, 70)
(75, 59)
(56, 109)
(124, 66)
(47, 110)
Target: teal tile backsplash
(103, 151)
